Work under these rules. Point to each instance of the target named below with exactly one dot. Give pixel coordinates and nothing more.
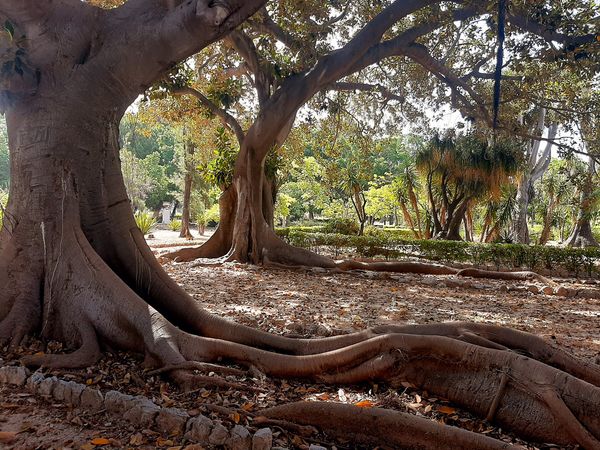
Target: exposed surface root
(498, 275)
(202, 367)
(376, 427)
(564, 415)
(190, 382)
(85, 356)
(465, 363)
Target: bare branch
(547, 33)
(245, 47)
(356, 86)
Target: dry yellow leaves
(7, 436)
(365, 404)
(137, 439)
(446, 410)
(248, 406)
(235, 417)
(162, 442)
(99, 442)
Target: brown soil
(300, 303)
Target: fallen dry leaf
(6, 437)
(99, 442)
(365, 404)
(446, 410)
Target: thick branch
(547, 33)
(164, 36)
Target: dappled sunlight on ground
(314, 303)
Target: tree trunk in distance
(187, 191)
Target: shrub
(175, 225)
(341, 226)
(145, 221)
(212, 215)
(576, 261)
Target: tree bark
(535, 167)
(582, 235)
(187, 191)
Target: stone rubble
(140, 411)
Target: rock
(141, 411)
(72, 394)
(58, 392)
(547, 290)
(218, 435)
(534, 289)
(240, 439)
(198, 429)
(46, 386)
(13, 375)
(262, 439)
(562, 292)
(430, 281)
(118, 403)
(479, 286)
(316, 447)
(33, 382)
(588, 293)
(92, 399)
(172, 421)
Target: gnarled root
(377, 426)
(465, 363)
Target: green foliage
(145, 221)
(148, 163)
(175, 225)
(202, 219)
(577, 261)
(3, 202)
(341, 226)
(219, 171)
(282, 207)
(212, 215)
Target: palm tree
(460, 169)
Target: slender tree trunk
(408, 220)
(582, 235)
(520, 228)
(187, 191)
(545, 235)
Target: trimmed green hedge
(577, 261)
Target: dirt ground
(301, 304)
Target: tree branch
(245, 47)
(226, 119)
(547, 33)
(356, 86)
(162, 36)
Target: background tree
(459, 170)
